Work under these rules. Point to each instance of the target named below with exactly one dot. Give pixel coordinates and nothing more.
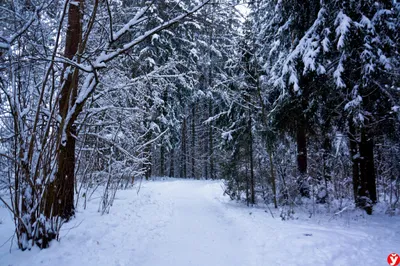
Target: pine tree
(365, 34)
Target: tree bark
(371, 176)
(210, 82)
(162, 148)
(252, 181)
(149, 164)
(364, 178)
(273, 180)
(66, 178)
(301, 139)
(162, 160)
(355, 161)
(367, 190)
(60, 195)
(210, 142)
(183, 150)
(193, 140)
(171, 163)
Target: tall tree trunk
(193, 140)
(355, 160)
(301, 139)
(60, 195)
(371, 176)
(205, 154)
(183, 149)
(273, 179)
(171, 163)
(252, 181)
(149, 164)
(147, 152)
(325, 168)
(66, 178)
(162, 148)
(210, 142)
(364, 178)
(367, 172)
(162, 160)
(210, 83)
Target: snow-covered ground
(190, 223)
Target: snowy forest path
(190, 223)
(198, 232)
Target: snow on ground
(190, 223)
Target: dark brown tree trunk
(205, 144)
(183, 150)
(162, 160)
(210, 142)
(162, 148)
(301, 138)
(210, 83)
(364, 178)
(367, 190)
(193, 140)
(66, 178)
(355, 160)
(273, 180)
(60, 194)
(371, 176)
(171, 163)
(148, 165)
(325, 169)
(252, 181)
(301, 149)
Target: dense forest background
(292, 103)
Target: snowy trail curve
(190, 223)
